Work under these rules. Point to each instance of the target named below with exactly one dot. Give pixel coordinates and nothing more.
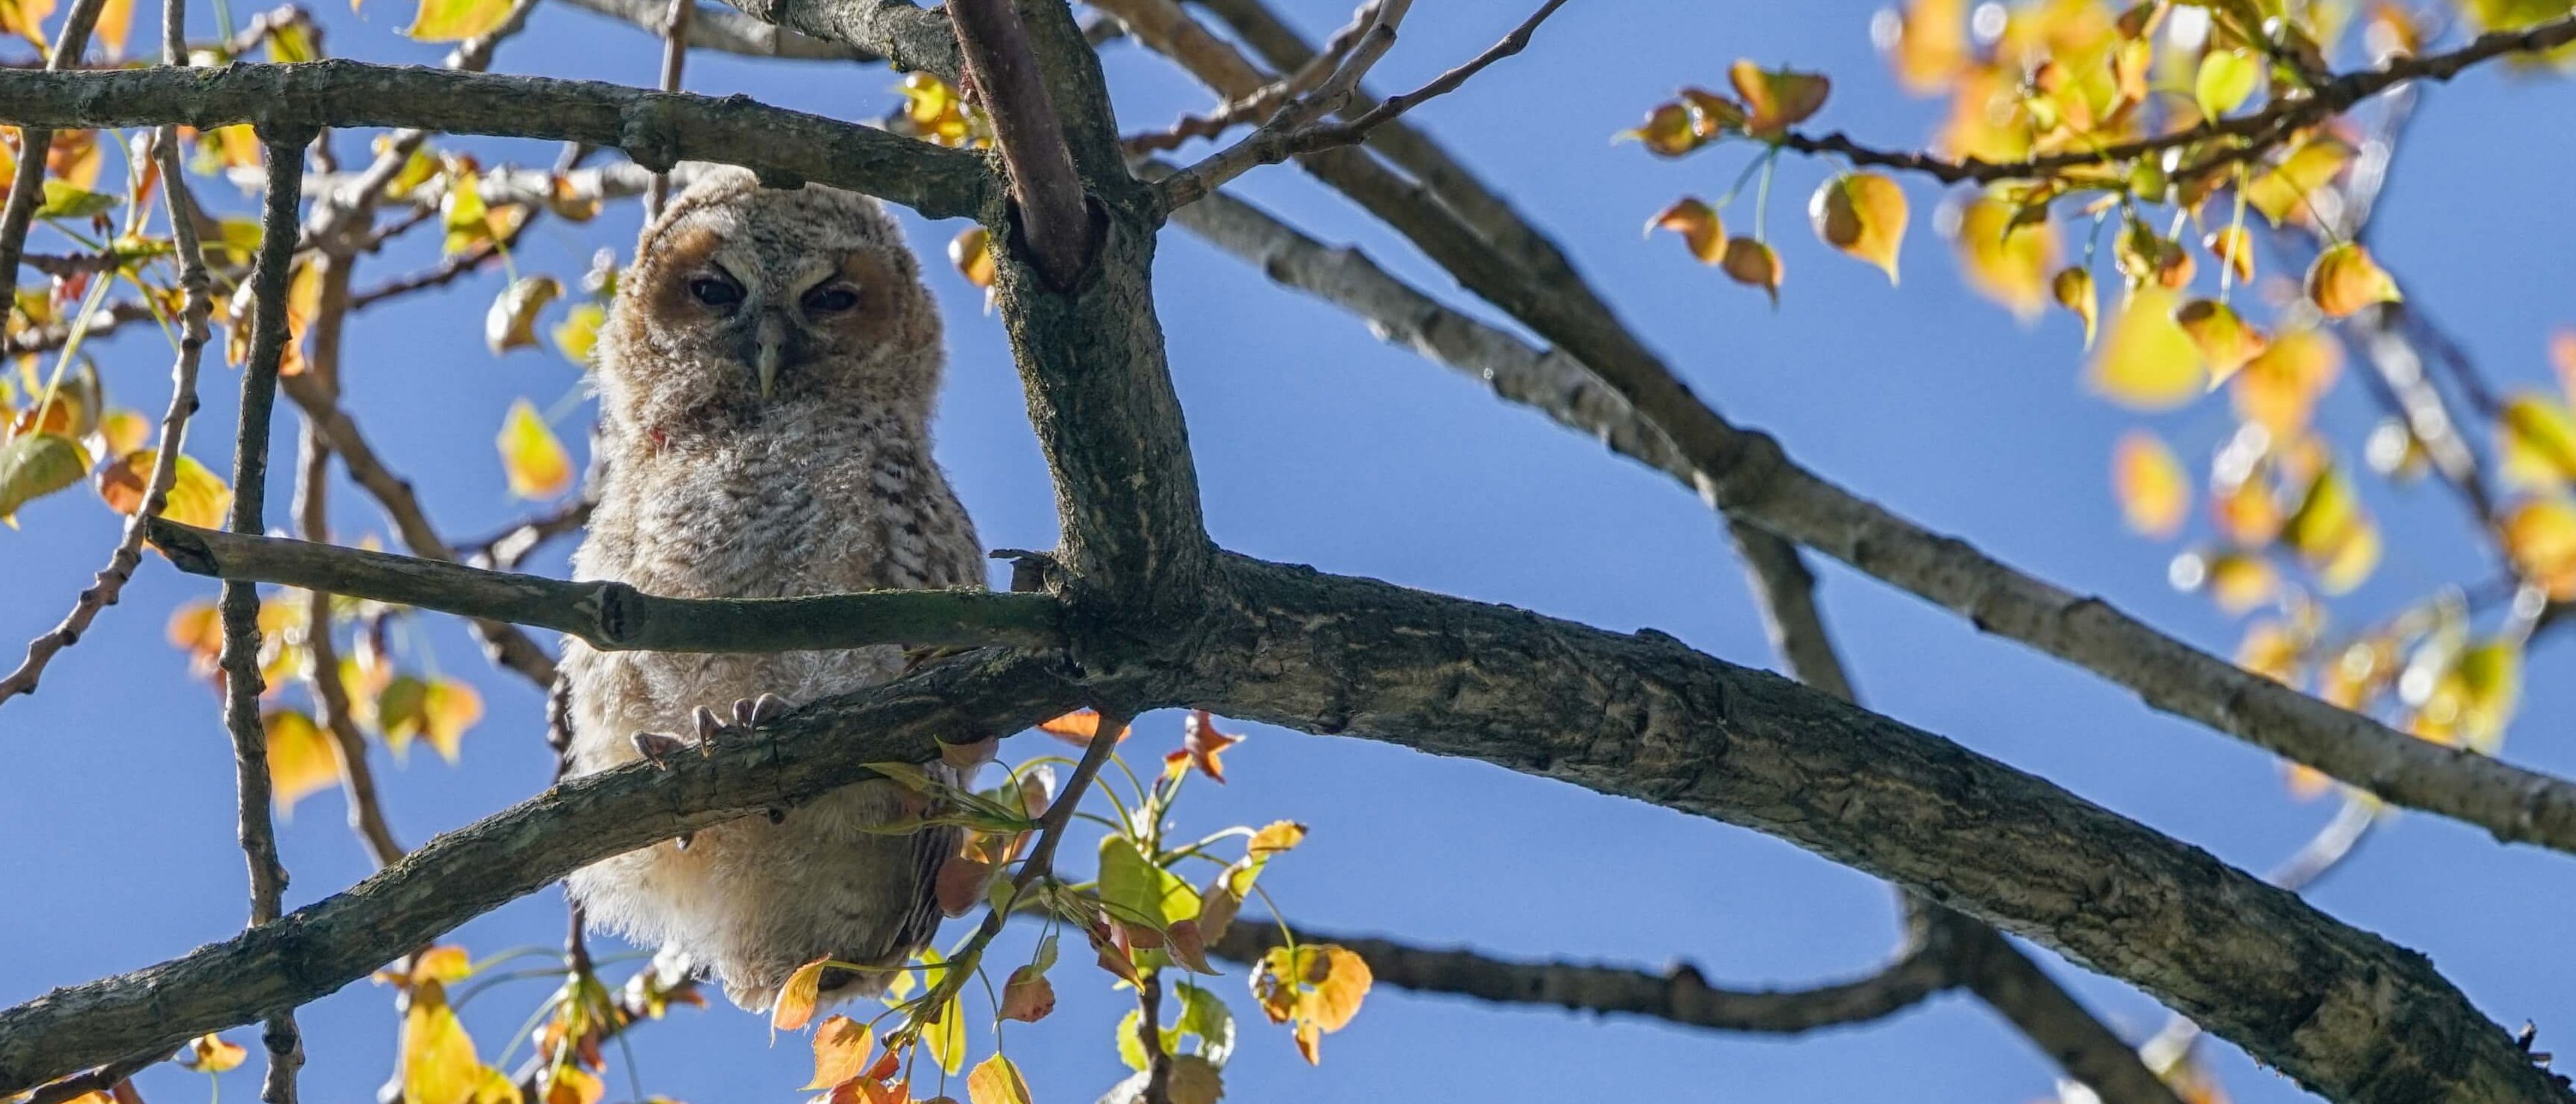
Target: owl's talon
(655, 745)
(755, 712)
(682, 842)
(777, 816)
(709, 727)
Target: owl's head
(746, 301)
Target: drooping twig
(615, 616)
(1055, 220)
(675, 56)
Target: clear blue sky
(1318, 444)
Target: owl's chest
(759, 523)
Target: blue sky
(1318, 444)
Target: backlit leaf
(1667, 131)
(571, 1084)
(797, 998)
(2153, 490)
(1776, 99)
(532, 457)
(1344, 981)
(1078, 727)
(1927, 41)
(1195, 1080)
(2072, 287)
(1753, 264)
(446, 965)
(1203, 744)
(1698, 224)
(211, 1054)
(1713, 115)
(1137, 890)
(2145, 361)
(1028, 996)
(33, 465)
(197, 496)
(2344, 279)
(301, 758)
(1275, 837)
(438, 1062)
(451, 20)
(2281, 192)
(2237, 581)
(2225, 79)
(2279, 388)
(1862, 214)
(947, 1037)
(972, 252)
(511, 321)
(997, 1081)
(842, 1047)
(2225, 340)
(2234, 246)
(2540, 536)
(2537, 439)
(579, 332)
(2007, 262)
(64, 200)
(2332, 532)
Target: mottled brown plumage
(766, 379)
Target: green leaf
(947, 1038)
(67, 200)
(1131, 1049)
(35, 465)
(1205, 1015)
(2226, 78)
(1133, 886)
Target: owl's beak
(770, 343)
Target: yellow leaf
(1862, 214)
(2540, 536)
(2271, 650)
(438, 1062)
(2225, 340)
(571, 1084)
(1713, 115)
(209, 1053)
(197, 497)
(301, 758)
(2537, 439)
(2279, 388)
(1667, 131)
(579, 331)
(2281, 192)
(445, 965)
(1753, 264)
(2233, 245)
(115, 19)
(2007, 263)
(2240, 582)
(1698, 224)
(996, 1081)
(1275, 837)
(2072, 287)
(972, 252)
(511, 322)
(2154, 492)
(2331, 531)
(947, 1037)
(1776, 99)
(451, 20)
(796, 999)
(1929, 44)
(2225, 79)
(447, 709)
(531, 456)
(2344, 279)
(2146, 362)
(1344, 979)
(119, 431)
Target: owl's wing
(931, 849)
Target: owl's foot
(656, 745)
(748, 714)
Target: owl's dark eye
(715, 290)
(831, 299)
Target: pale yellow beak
(772, 341)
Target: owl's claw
(755, 712)
(655, 745)
(709, 726)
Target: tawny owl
(766, 378)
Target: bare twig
(675, 56)
(1055, 221)
(727, 31)
(27, 188)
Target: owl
(766, 378)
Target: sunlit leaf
(1862, 214)
(1713, 115)
(1776, 99)
(2344, 279)
(2537, 438)
(197, 496)
(946, 1038)
(842, 1047)
(438, 1062)
(579, 332)
(65, 200)
(446, 965)
(1078, 727)
(451, 20)
(2279, 388)
(532, 457)
(1342, 982)
(1027, 996)
(511, 321)
(1698, 224)
(2540, 536)
(1205, 1015)
(570, 1084)
(2153, 490)
(211, 1054)
(2281, 192)
(1753, 264)
(2007, 262)
(797, 998)
(2145, 361)
(1202, 744)
(997, 1081)
(1667, 131)
(2225, 79)
(2234, 246)
(2237, 581)
(2225, 340)
(2072, 287)
(972, 252)
(2332, 533)
(1927, 40)
(1137, 889)
(33, 465)
(301, 758)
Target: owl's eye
(715, 290)
(831, 299)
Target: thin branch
(507, 549)
(1276, 144)
(1681, 995)
(26, 189)
(615, 616)
(1055, 222)
(727, 31)
(654, 128)
(240, 601)
(675, 56)
(1149, 1036)
(906, 35)
(2259, 132)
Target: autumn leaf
(301, 758)
(1344, 980)
(1698, 224)
(2072, 287)
(2332, 532)
(438, 1062)
(209, 1053)
(2225, 340)
(2279, 388)
(946, 1036)
(1667, 131)
(972, 252)
(452, 20)
(2225, 79)
(842, 1047)
(797, 998)
(1275, 837)
(2234, 246)
(571, 1084)
(2281, 192)
(1712, 115)
(1776, 99)
(511, 322)
(33, 465)
(575, 336)
(2004, 260)
(446, 965)
(1862, 214)
(1753, 264)
(2237, 581)
(2537, 439)
(2540, 536)
(197, 496)
(1928, 44)
(1201, 743)
(2145, 361)
(1028, 996)
(2153, 491)
(2344, 279)
(1078, 727)
(532, 457)
(997, 1081)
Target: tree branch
(1054, 221)
(900, 31)
(731, 32)
(613, 616)
(1680, 996)
(457, 876)
(656, 129)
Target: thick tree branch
(656, 129)
(1054, 221)
(614, 616)
(1679, 996)
(462, 874)
(731, 32)
(903, 33)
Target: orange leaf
(1698, 224)
(2152, 489)
(1028, 996)
(2344, 279)
(2233, 245)
(2279, 388)
(2004, 260)
(997, 1081)
(842, 1047)
(1776, 99)
(209, 1053)
(2072, 287)
(1753, 264)
(972, 252)
(2540, 535)
(1078, 727)
(2225, 340)
(797, 998)
(1668, 131)
(2145, 361)
(1202, 743)
(1862, 214)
